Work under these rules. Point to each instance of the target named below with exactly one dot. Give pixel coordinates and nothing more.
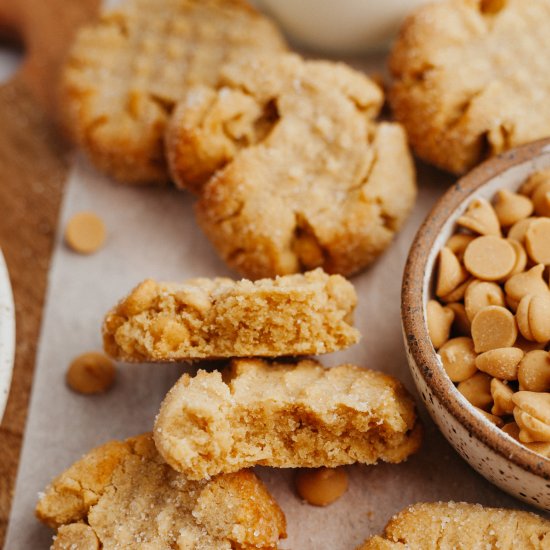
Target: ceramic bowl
(489, 450)
(7, 334)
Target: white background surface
(152, 233)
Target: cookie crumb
(85, 233)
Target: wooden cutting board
(34, 160)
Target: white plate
(7, 334)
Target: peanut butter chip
(480, 294)
(439, 321)
(518, 230)
(512, 207)
(533, 317)
(534, 371)
(91, 373)
(493, 327)
(321, 486)
(521, 257)
(451, 273)
(458, 358)
(502, 398)
(489, 258)
(528, 282)
(461, 323)
(458, 243)
(537, 241)
(491, 417)
(85, 233)
(477, 390)
(501, 363)
(541, 199)
(481, 218)
(532, 414)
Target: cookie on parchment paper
(125, 73)
(461, 526)
(292, 168)
(285, 415)
(123, 495)
(214, 318)
(471, 79)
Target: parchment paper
(152, 233)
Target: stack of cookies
(291, 167)
(187, 484)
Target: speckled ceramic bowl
(7, 334)
(489, 450)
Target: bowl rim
(412, 308)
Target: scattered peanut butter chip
(461, 323)
(439, 320)
(512, 207)
(489, 258)
(491, 417)
(480, 294)
(321, 486)
(481, 218)
(501, 362)
(518, 230)
(458, 243)
(528, 282)
(541, 199)
(534, 371)
(521, 257)
(502, 398)
(451, 273)
(537, 241)
(85, 233)
(527, 345)
(477, 390)
(90, 373)
(493, 327)
(458, 358)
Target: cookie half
(292, 168)
(122, 495)
(125, 73)
(446, 525)
(215, 318)
(471, 79)
(286, 416)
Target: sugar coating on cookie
(471, 79)
(445, 525)
(285, 416)
(214, 318)
(292, 169)
(125, 73)
(123, 495)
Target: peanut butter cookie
(471, 79)
(461, 526)
(125, 73)
(122, 495)
(284, 415)
(292, 168)
(213, 318)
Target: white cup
(340, 26)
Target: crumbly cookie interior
(293, 415)
(209, 318)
